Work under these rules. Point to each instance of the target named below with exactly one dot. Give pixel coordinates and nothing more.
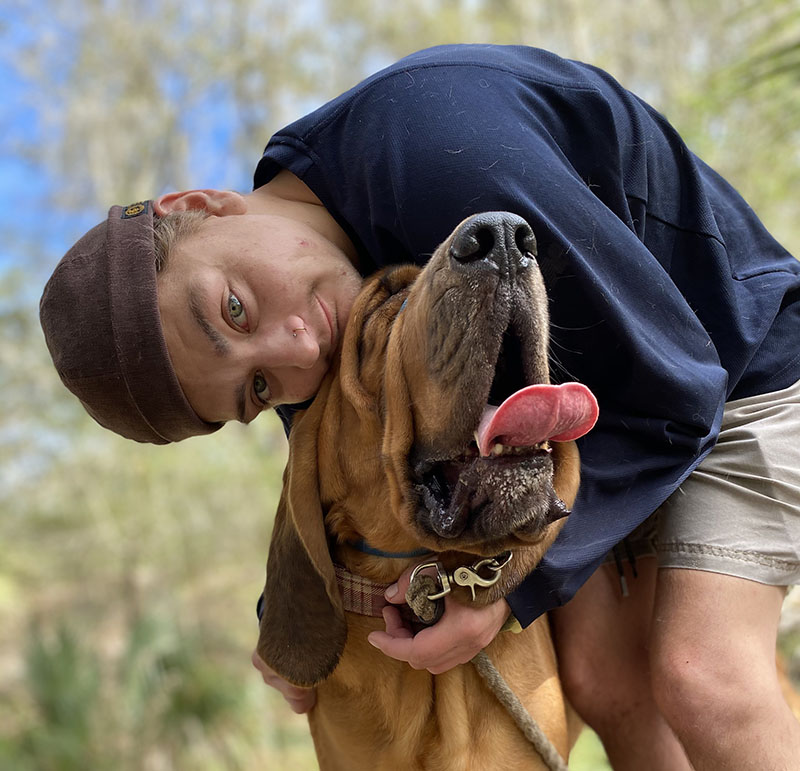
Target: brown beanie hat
(99, 313)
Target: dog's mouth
(500, 484)
(472, 497)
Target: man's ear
(218, 203)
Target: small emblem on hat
(134, 210)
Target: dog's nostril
(524, 240)
(473, 245)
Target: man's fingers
(396, 593)
(455, 639)
(430, 649)
(400, 648)
(303, 702)
(424, 650)
(394, 623)
(299, 699)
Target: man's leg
(714, 676)
(602, 644)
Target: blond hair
(172, 228)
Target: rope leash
(529, 727)
(429, 612)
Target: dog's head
(433, 431)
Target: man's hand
(299, 699)
(461, 632)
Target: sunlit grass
(588, 754)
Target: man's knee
(601, 643)
(698, 689)
(713, 651)
(680, 684)
(603, 683)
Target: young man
(669, 300)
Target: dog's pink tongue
(538, 413)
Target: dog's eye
(236, 311)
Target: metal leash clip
(466, 576)
(441, 574)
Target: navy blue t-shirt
(668, 295)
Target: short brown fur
(401, 395)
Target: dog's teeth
(503, 449)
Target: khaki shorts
(738, 513)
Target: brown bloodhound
(402, 451)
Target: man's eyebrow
(196, 307)
(221, 345)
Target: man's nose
(287, 346)
(493, 240)
(304, 348)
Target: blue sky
(30, 228)
(35, 230)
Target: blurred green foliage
(129, 574)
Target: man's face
(253, 308)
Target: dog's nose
(494, 239)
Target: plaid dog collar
(359, 594)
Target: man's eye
(236, 311)
(260, 387)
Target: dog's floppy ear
(303, 628)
